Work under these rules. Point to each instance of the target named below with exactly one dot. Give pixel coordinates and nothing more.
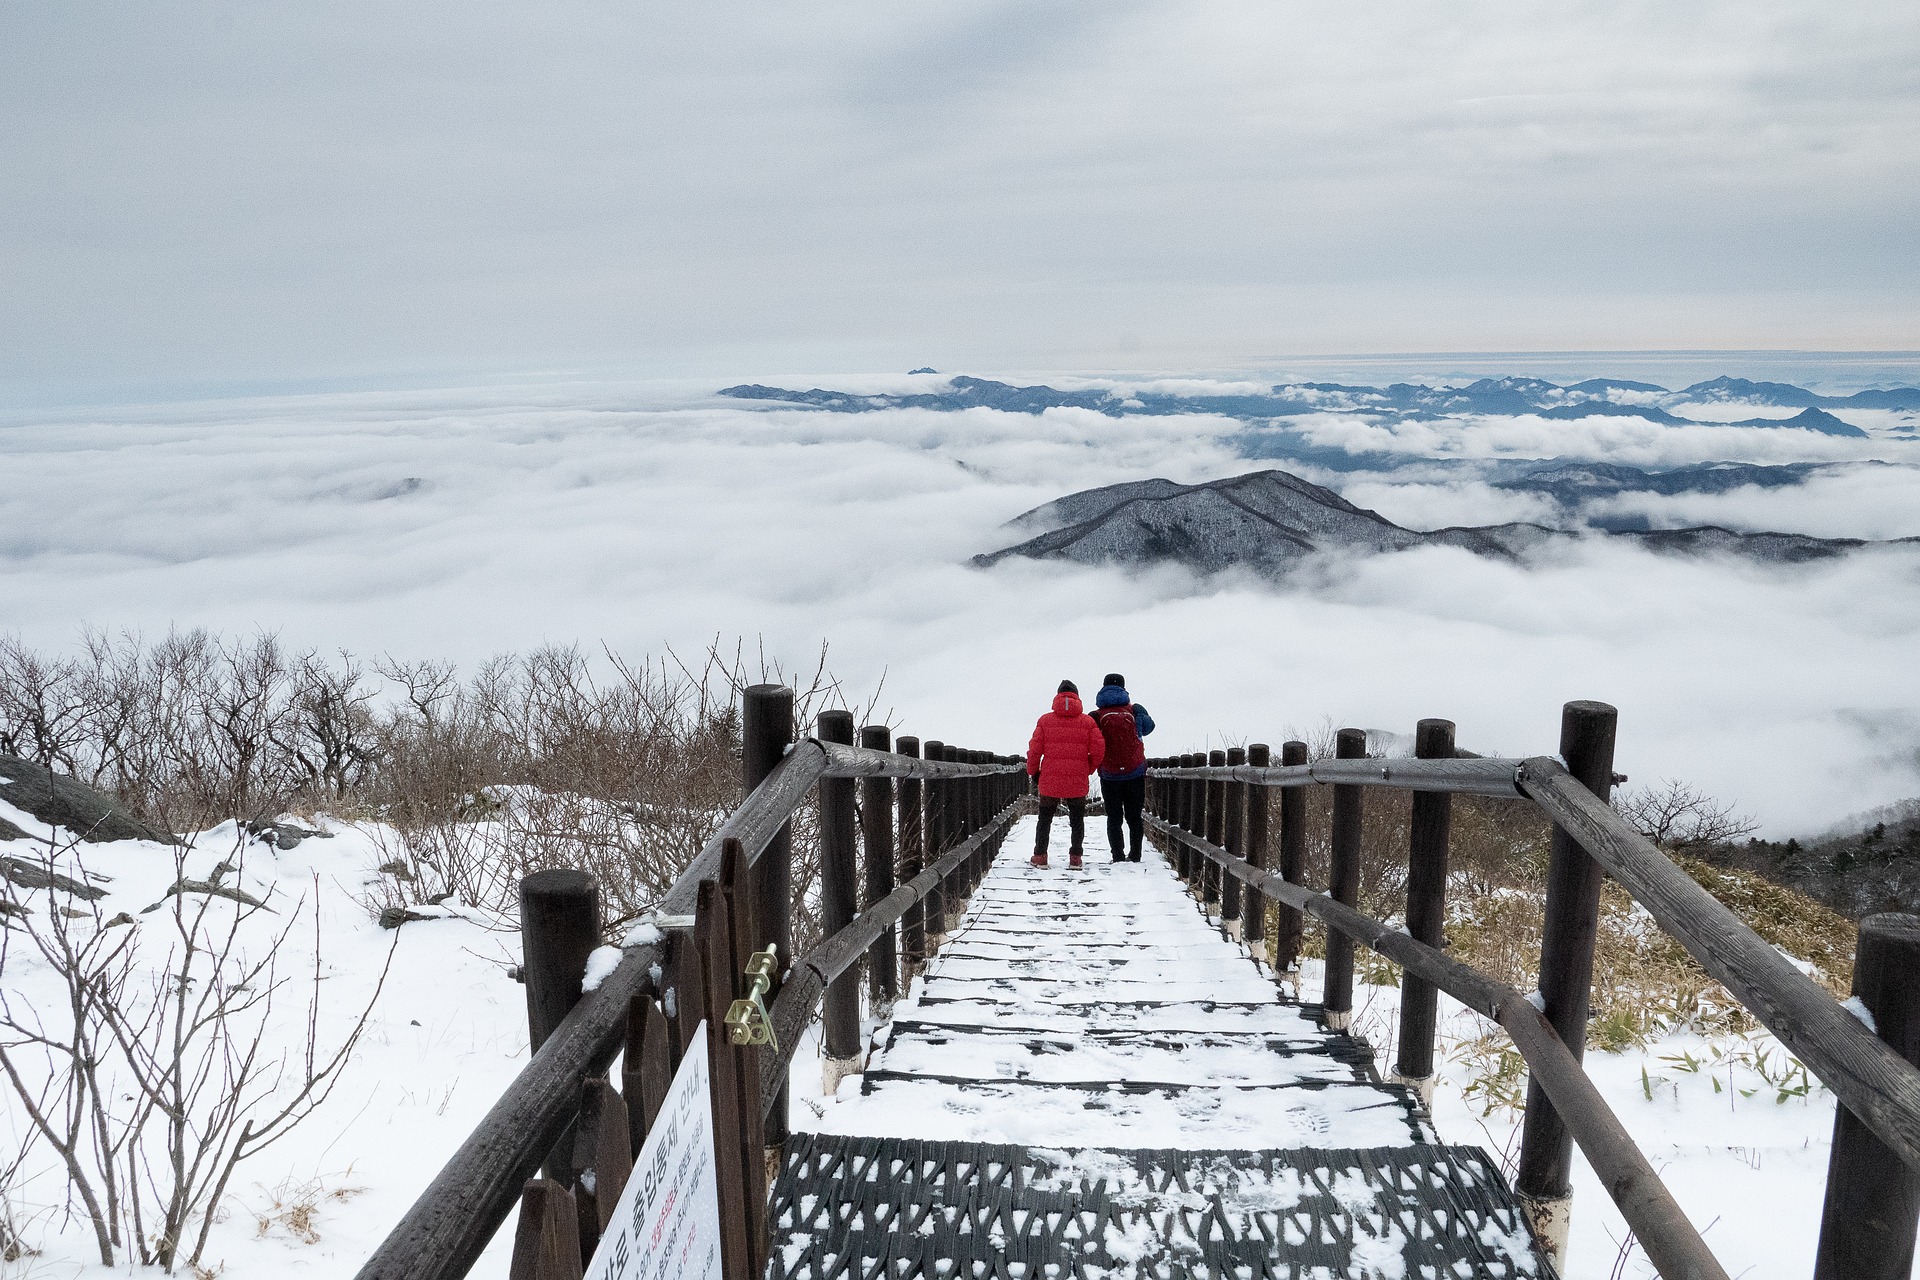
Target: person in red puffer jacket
(1066, 747)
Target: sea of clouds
(464, 523)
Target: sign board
(667, 1224)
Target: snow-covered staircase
(1090, 1081)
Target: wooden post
(840, 1007)
(984, 808)
(1235, 843)
(1193, 818)
(1349, 744)
(1544, 1180)
(646, 1067)
(713, 939)
(546, 1239)
(911, 835)
(1873, 1198)
(1216, 834)
(934, 905)
(1428, 833)
(876, 833)
(559, 929)
(602, 1160)
(766, 731)
(1253, 909)
(750, 1150)
(1170, 802)
(970, 790)
(954, 899)
(1289, 924)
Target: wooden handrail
(1864, 1072)
(1870, 1078)
(1480, 777)
(1670, 1241)
(864, 762)
(793, 1007)
(451, 1222)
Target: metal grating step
(992, 1054)
(912, 1209)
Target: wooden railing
(562, 1114)
(1211, 810)
(931, 817)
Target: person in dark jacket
(1123, 774)
(1065, 748)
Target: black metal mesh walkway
(1090, 1081)
(907, 1209)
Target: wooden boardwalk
(1090, 1081)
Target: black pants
(1076, 820)
(1124, 798)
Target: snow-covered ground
(446, 1035)
(448, 1032)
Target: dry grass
(294, 1208)
(1645, 983)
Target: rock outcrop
(60, 801)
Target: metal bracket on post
(747, 1020)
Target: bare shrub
(537, 760)
(1678, 817)
(152, 1073)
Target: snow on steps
(1090, 1081)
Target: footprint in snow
(1309, 1121)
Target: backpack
(1125, 751)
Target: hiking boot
(1038, 860)
(1073, 859)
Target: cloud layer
(464, 524)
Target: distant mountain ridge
(1272, 521)
(1595, 397)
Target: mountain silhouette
(1272, 521)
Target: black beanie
(1067, 686)
(1117, 678)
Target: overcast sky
(270, 195)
